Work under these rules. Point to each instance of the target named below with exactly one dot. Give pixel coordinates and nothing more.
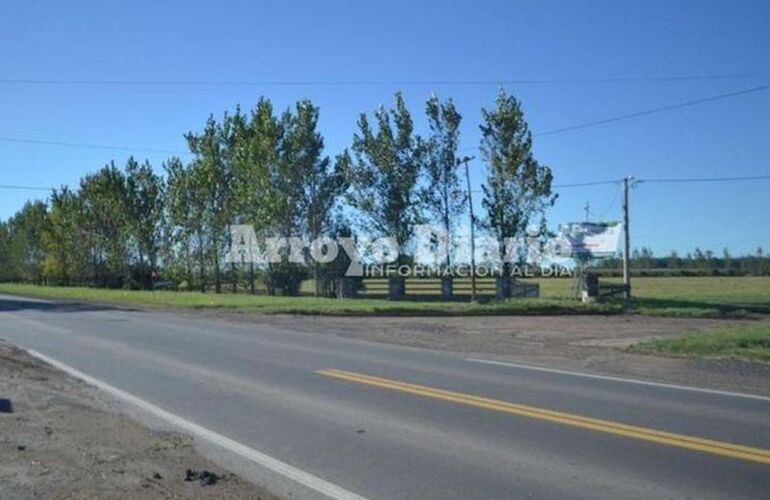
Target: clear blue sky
(415, 41)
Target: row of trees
(107, 233)
(268, 169)
(696, 263)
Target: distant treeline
(135, 226)
(697, 263)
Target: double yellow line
(595, 424)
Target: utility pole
(473, 230)
(626, 239)
(587, 209)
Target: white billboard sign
(590, 239)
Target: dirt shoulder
(58, 440)
(592, 343)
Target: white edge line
(621, 379)
(304, 478)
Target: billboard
(589, 240)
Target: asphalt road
(386, 421)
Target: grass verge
(748, 342)
(310, 305)
(705, 297)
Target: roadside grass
(264, 304)
(716, 297)
(748, 342)
(706, 296)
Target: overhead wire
(417, 82)
(90, 146)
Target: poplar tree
(211, 178)
(443, 196)
(105, 207)
(517, 186)
(321, 181)
(384, 173)
(145, 199)
(185, 216)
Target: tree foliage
(385, 171)
(443, 195)
(145, 200)
(211, 180)
(271, 169)
(517, 186)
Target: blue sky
(415, 41)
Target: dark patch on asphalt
(6, 406)
(206, 478)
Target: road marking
(621, 379)
(304, 478)
(669, 438)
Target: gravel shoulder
(59, 440)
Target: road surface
(382, 421)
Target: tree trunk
(251, 277)
(217, 270)
(202, 259)
(269, 281)
(503, 288)
(188, 265)
(316, 274)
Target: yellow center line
(608, 426)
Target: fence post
(396, 288)
(345, 289)
(503, 287)
(446, 288)
(590, 287)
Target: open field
(264, 304)
(749, 342)
(677, 296)
(703, 296)
(707, 297)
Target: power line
(609, 207)
(707, 179)
(583, 184)
(322, 83)
(661, 181)
(549, 132)
(573, 185)
(638, 114)
(660, 109)
(671, 180)
(25, 188)
(90, 146)
(556, 186)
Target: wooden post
(626, 240)
(473, 230)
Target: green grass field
(311, 305)
(749, 342)
(677, 296)
(705, 297)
